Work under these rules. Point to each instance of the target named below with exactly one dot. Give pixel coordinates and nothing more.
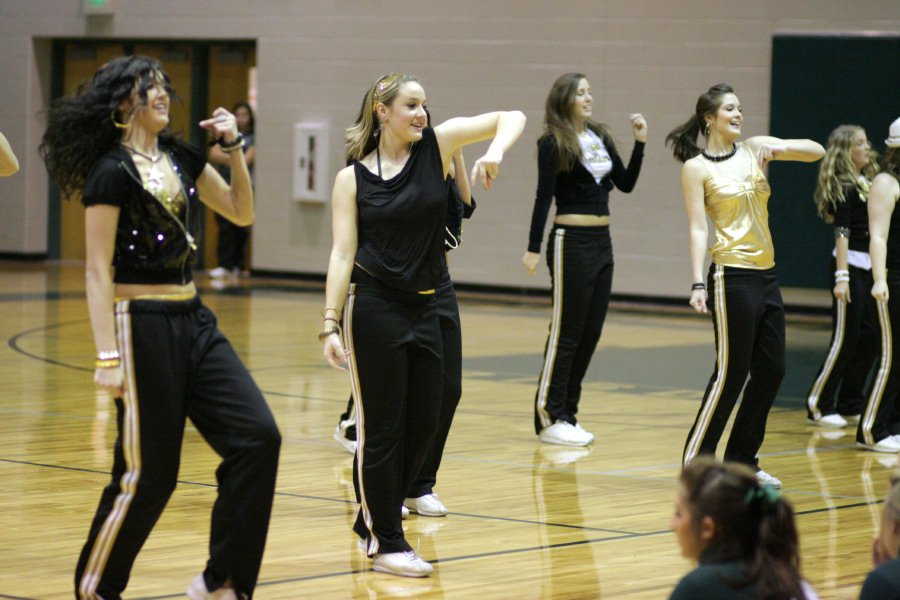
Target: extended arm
(767, 148)
(504, 127)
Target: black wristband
(698, 286)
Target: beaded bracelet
(236, 144)
(841, 232)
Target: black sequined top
(153, 243)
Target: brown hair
(558, 122)
(683, 138)
(753, 524)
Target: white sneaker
(765, 479)
(427, 506)
(346, 444)
(834, 420)
(404, 513)
(888, 444)
(564, 434)
(219, 273)
(585, 432)
(197, 591)
(405, 564)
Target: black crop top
(153, 246)
(401, 220)
(853, 214)
(576, 191)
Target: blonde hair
(362, 137)
(837, 171)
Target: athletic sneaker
(347, 444)
(585, 432)
(405, 564)
(765, 479)
(889, 444)
(219, 273)
(565, 434)
(427, 506)
(834, 420)
(197, 591)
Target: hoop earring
(116, 124)
(706, 130)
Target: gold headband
(381, 85)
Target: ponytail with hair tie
(766, 496)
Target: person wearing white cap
(884, 248)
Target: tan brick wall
(316, 58)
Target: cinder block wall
(316, 58)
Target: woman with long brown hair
(725, 181)
(578, 165)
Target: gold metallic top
(739, 212)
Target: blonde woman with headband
(388, 217)
(883, 583)
(845, 176)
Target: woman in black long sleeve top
(578, 165)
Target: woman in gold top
(726, 182)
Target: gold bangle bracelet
(336, 310)
(108, 363)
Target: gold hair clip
(381, 85)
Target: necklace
(378, 158)
(720, 157)
(154, 174)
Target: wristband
(698, 286)
(236, 144)
(330, 331)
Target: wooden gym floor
(526, 520)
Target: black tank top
(401, 220)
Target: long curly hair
(80, 128)
(753, 524)
(838, 173)
(362, 137)
(683, 139)
(559, 125)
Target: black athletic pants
(451, 336)
(855, 342)
(394, 344)
(748, 319)
(581, 270)
(178, 365)
(231, 246)
(880, 408)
